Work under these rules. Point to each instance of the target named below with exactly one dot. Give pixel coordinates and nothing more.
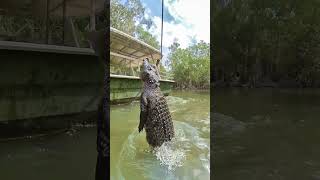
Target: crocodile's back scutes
(159, 126)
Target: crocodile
(155, 116)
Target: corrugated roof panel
(130, 48)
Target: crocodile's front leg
(143, 111)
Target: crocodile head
(150, 74)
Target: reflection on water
(266, 134)
(187, 156)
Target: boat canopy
(129, 51)
(54, 7)
(49, 21)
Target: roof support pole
(73, 29)
(64, 21)
(93, 16)
(158, 61)
(47, 22)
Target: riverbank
(283, 83)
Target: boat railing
(166, 75)
(135, 71)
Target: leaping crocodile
(155, 116)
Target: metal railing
(33, 30)
(135, 71)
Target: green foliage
(146, 37)
(129, 18)
(30, 28)
(122, 17)
(17, 28)
(267, 39)
(33, 29)
(191, 66)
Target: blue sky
(184, 20)
(155, 9)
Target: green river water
(186, 157)
(257, 134)
(72, 154)
(266, 134)
(62, 156)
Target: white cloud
(193, 14)
(193, 19)
(147, 12)
(170, 32)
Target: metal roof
(130, 51)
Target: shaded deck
(47, 80)
(126, 57)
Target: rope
(161, 33)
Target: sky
(183, 20)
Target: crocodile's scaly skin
(155, 116)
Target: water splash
(169, 156)
(172, 158)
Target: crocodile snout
(145, 63)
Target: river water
(186, 157)
(266, 134)
(62, 156)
